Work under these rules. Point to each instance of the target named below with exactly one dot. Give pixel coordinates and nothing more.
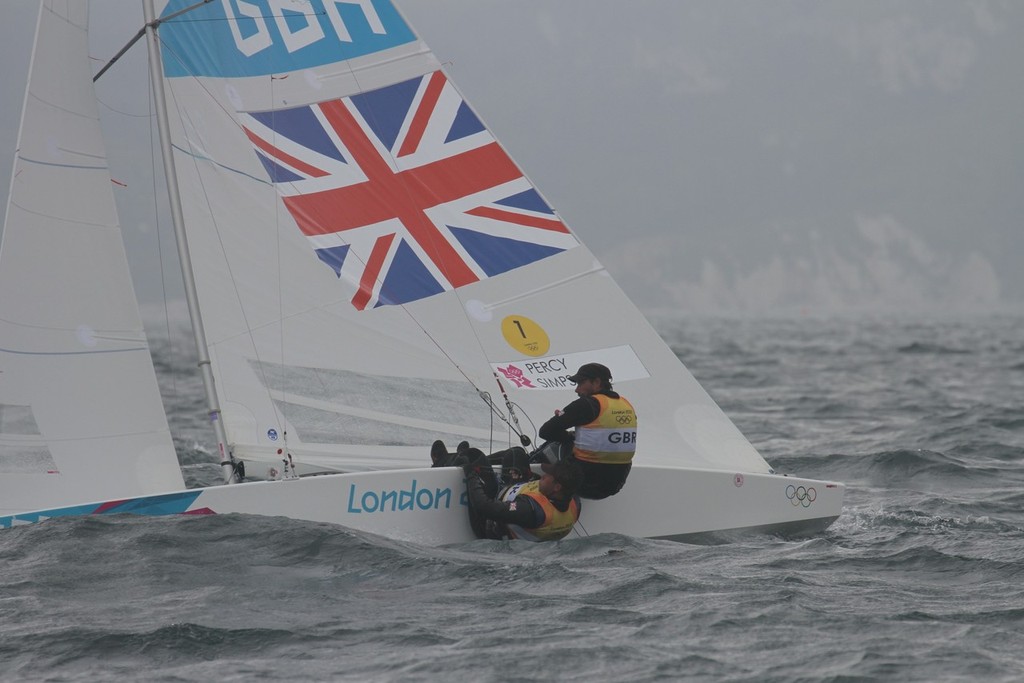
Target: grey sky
(740, 156)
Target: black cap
(567, 474)
(591, 371)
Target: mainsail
(80, 412)
(373, 269)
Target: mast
(227, 459)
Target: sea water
(920, 579)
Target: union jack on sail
(403, 192)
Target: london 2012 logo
(801, 495)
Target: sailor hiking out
(543, 509)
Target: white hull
(427, 506)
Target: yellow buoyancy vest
(557, 524)
(611, 438)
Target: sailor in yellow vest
(605, 432)
(542, 509)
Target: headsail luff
(80, 412)
(360, 238)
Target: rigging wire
(524, 440)
(159, 236)
(282, 418)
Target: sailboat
(367, 270)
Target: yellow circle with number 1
(525, 336)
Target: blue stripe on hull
(164, 504)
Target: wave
(932, 348)
(903, 468)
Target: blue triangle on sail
(529, 200)
(407, 279)
(277, 172)
(334, 257)
(466, 123)
(500, 254)
(300, 125)
(385, 109)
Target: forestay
(80, 412)
(369, 259)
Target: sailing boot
(439, 454)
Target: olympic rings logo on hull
(801, 495)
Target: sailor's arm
(580, 412)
